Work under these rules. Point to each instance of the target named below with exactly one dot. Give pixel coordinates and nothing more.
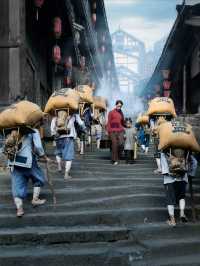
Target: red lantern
(56, 54)
(57, 27)
(94, 18)
(167, 93)
(38, 4)
(67, 81)
(166, 84)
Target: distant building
(129, 54)
(133, 63)
(152, 57)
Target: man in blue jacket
(23, 167)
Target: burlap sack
(161, 120)
(63, 98)
(161, 105)
(24, 113)
(85, 93)
(143, 119)
(177, 135)
(100, 103)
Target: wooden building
(28, 34)
(180, 61)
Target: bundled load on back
(63, 99)
(100, 103)
(16, 121)
(161, 105)
(143, 119)
(177, 134)
(85, 92)
(21, 114)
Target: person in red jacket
(115, 128)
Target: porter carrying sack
(177, 134)
(143, 119)
(100, 103)
(61, 99)
(161, 105)
(24, 113)
(85, 92)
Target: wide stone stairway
(105, 216)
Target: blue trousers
(65, 148)
(20, 177)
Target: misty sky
(147, 20)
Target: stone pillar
(4, 51)
(10, 49)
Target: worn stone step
(148, 231)
(172, 247)
(105, 200)
(181, 260)
(104, 253)
(124, 216)
(31, 235)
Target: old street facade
(38, 37)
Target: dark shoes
(184, 219)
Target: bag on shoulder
(178, 165)
(12, 145)
(61, 127)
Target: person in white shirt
(65, 141)
(175, 186)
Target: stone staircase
(105, 215)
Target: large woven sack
(177, 134)
(61, 99)
(100, 103)
(143, 119)
(160, 121)
(161, 105)
(85, 92)
(24, 113)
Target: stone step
(90, 185)
(105, 253)
(59, 234)
(118, 253)
(172, 247)
(162, 230)
(103, 200)
(109, 217)
(105, 215)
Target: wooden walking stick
(192, 198)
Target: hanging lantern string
(91, 33)
(38, 4)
